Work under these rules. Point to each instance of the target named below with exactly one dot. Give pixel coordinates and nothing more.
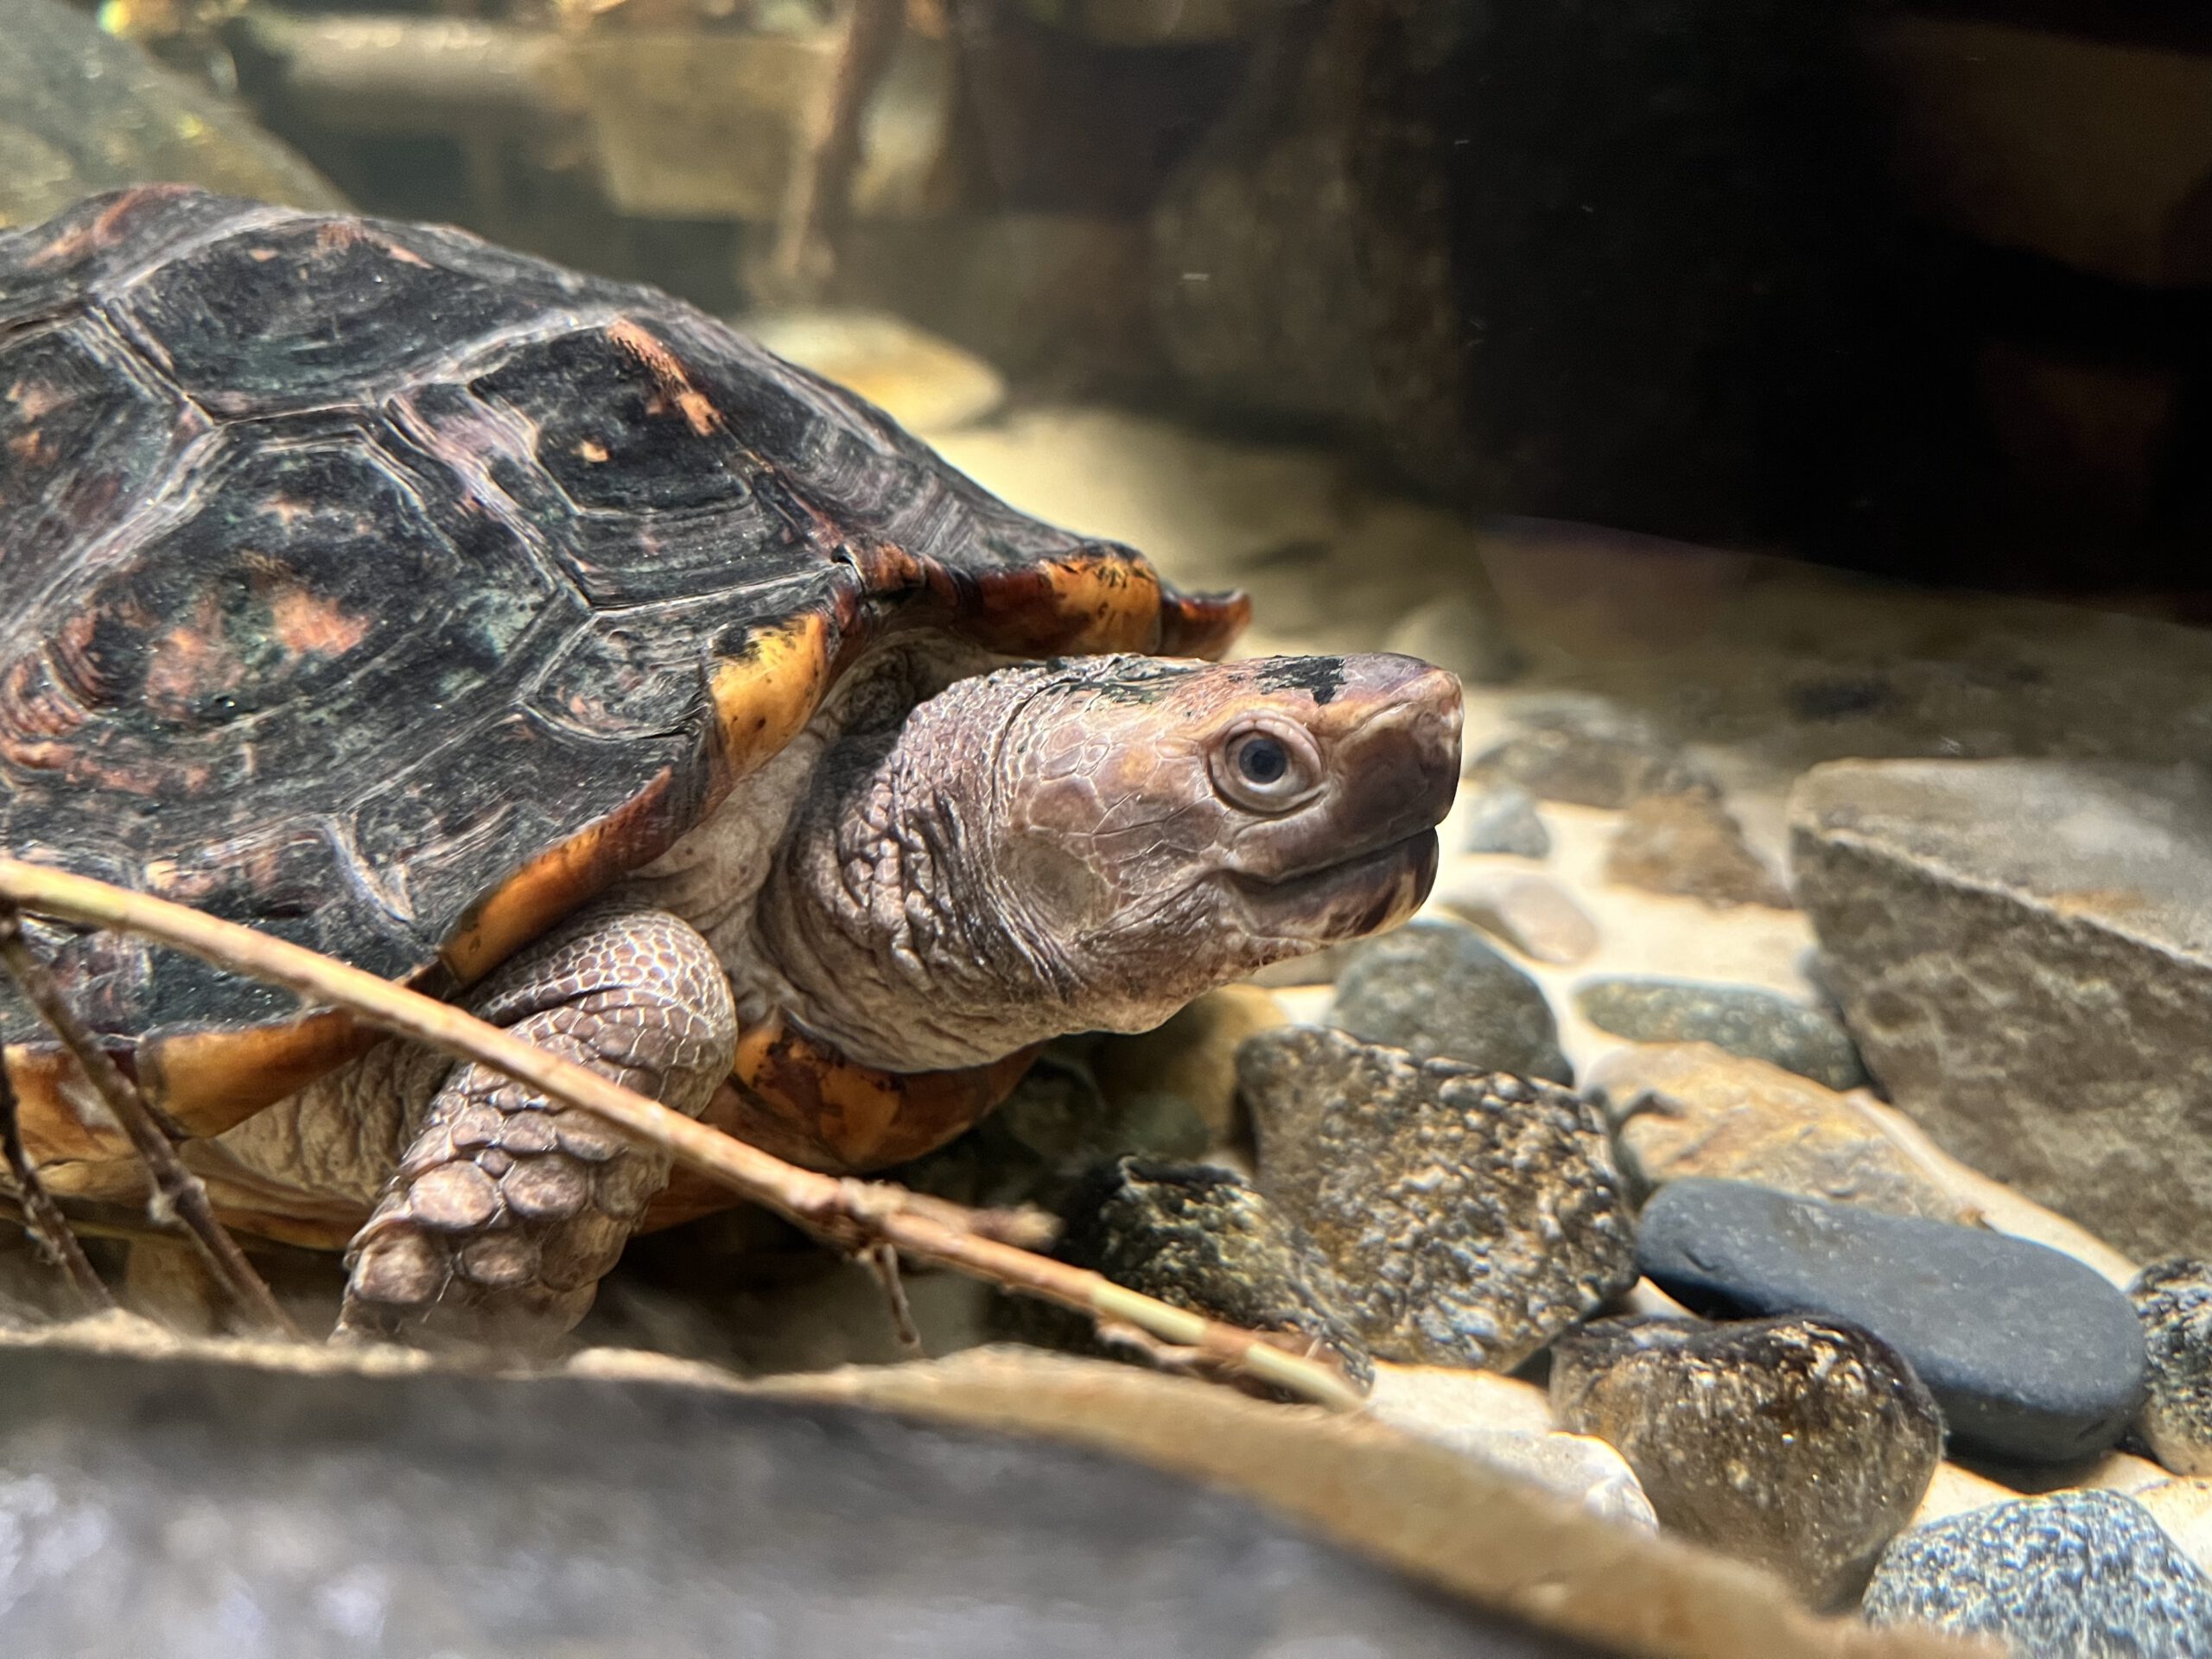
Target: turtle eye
(1266, 770)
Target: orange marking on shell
(558, 880)
(764, 698)
(593, 453)
(337, 234)
(31, 448)
(404, 256)
(33, 401)
(189, 662)
(801, 1100)
(207, 1081)
(60, 1120)
(104, 229)
(668, 375)
(309, 624)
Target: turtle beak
(1392, 736)
(1362, 856)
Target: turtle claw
(506, 1209)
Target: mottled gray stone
(206, 1511)
(1759, 1025)
(2023, 950)
(1200, 1238)
(2173, 1298)
(2032, 1356)
(1590, 753)
(1472, 1216)
(1800, 1445)
(1435, 988)
(1502, 818)
(2086, 1574)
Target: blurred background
(1917, 290)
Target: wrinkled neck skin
(887, 926)
(1062, 847)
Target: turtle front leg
(506, 1209)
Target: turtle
(540, 642)
(82, 111)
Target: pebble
(2173, 1298)
(1685, 1110)
(2088, 1574)
(1760, 1024)
(1473, 1214)
(1200, 1238)
(1501, 817)
(1528, 910)
(1435, 988)
(1690, 846)
(1506, 1423)
(1590, 753)
(2033, 1356)
(1192, 1058)
(1797, 1443)
(1460, 632)
(2023, 950)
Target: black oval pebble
(2031, 1355)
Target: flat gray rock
(1436, 989)
(204, 1510)
(1802, 1445)
(1472, 1216)
(2023, 950)
(2032, 1356)
(1759, 1025)
(2088, 1574)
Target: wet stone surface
(1472, 1216)
(1200, 1238)
(2083, 1572)
(1756, 1024)
(2173, 1298)
(2032, 1356)
(1800, 1445)
(2024, 951)
(1436, 989)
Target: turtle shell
(395, 594)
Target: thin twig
(177, 1191)
(883, 1261)
(125, 1222)
(41, 1218)
(850, 1214)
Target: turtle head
(1164, 827)
(1087, 844)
